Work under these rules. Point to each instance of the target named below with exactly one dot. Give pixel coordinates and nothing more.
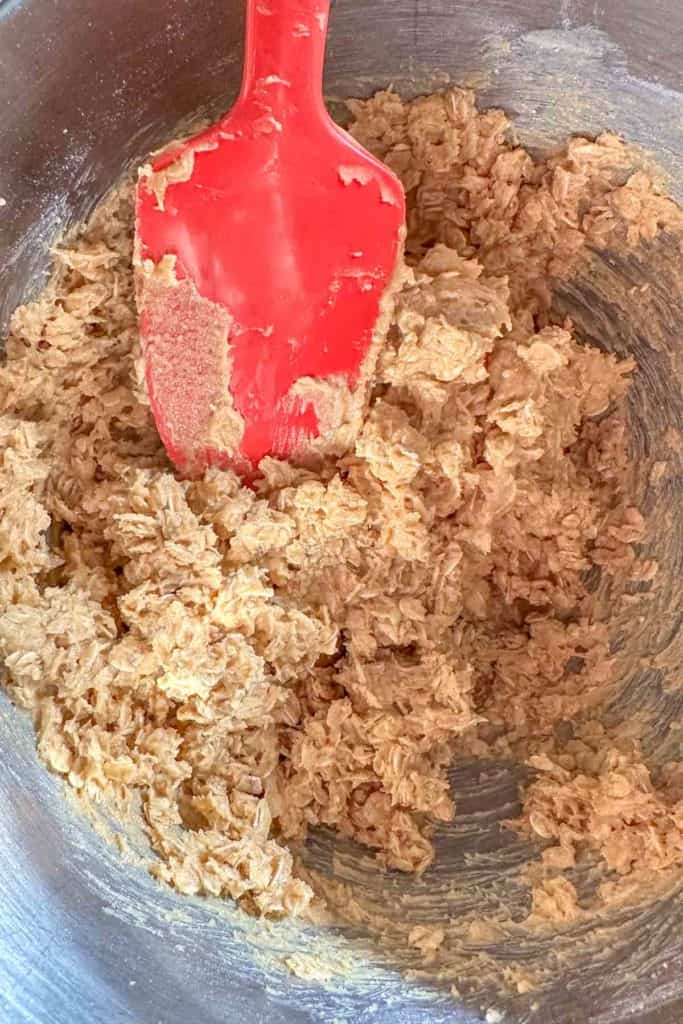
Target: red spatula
(264, 246)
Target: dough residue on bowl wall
(248, 664)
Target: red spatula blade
(264, 246)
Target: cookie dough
(243, 665)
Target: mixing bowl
(86, 89)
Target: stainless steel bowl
(86, 88)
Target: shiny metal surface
(85, 89)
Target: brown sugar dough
(247, 665)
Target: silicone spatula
(264, 246)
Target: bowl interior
(84, 937)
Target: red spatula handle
(288, 233)
(284, 55)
